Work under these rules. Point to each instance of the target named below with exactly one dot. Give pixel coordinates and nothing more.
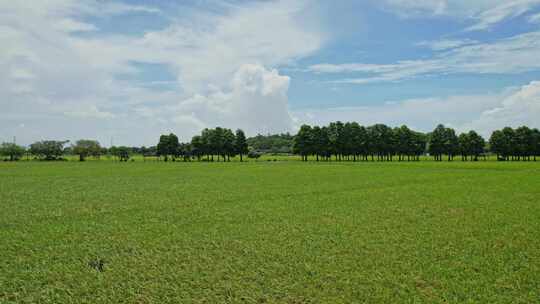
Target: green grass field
(269, 232)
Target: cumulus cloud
(520, 108)
(62, 84)
(256, 102)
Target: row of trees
(55, 150)
(522, 143)
(351, 141)
(344, 141)
(219, 142)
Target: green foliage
(85, 147)
(48, 149)
(303, 142)
(263, 232)
(12, 151)
(122, 153)
(350, 141)
(272, 143)
(168, 146)
(519, 144)
(240, 143)
(443, 141)
(220, 142)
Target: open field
(269, 232)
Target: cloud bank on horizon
(132, 70)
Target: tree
(536, 143)
(451, 143)
(11, 150)
(382, 141)
(316, 142)
(359, 141)
(168, 146)
(229, 147)
(477, 145)
(436, 142)
(303, 142)
(420, 141)
(85, 147)
(197, 146)
(404, 142)
(464, 146)
(48, 149)
(185, 150)
(510, 143)
(497, 143)
(524, 140)
(240, 143)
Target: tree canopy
(86, 147)
(12, 151)
(48, 149)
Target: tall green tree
(168, 146)
(524, 143)
(404, 145)
(303, 144)
(437, 142)
(197, 146)
(477, 145)
(229, 144)
(241, 144)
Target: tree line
(51, 150)
(341, 141)
(219, 142)
(351, 141)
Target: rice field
(269, 232)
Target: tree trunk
(241, 157)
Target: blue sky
(131, 70)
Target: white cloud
(512, 55)
(411, 8)
(256, 102)
(518, 109)
(446, 44)
(57, 78)
(90, 111)
(506, 10)
(483, 13)
(511, 107)
(70, 25)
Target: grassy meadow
(269, 232)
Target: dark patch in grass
(97, 264)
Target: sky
(124, 72)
